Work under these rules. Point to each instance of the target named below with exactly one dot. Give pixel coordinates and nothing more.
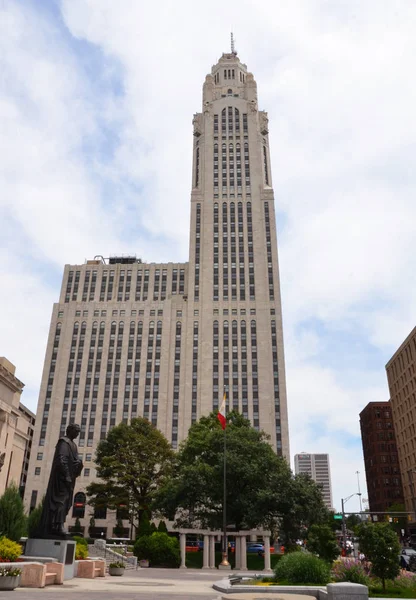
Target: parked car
(405, 556)
(255, 548)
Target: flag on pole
(222, 413)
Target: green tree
(132, 462)
(195, 491)
(353, 521)
(34, 519)
(119, 529)
(162, 527)
(91, 526)
(380, 545)
(144, 528)
(13, 521)
(322, 541)
(77, 528)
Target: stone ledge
(333, 591)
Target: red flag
(222, 413)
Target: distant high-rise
(163, 340)
(382, 470)
(317, 467)
(401, 376)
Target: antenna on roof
(232, 44)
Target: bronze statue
(66, 467)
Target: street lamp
(344, 526)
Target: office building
(382, 470)
(401, 379)
(162, 341)
(16, 430)
(318, 468)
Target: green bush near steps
(302, 568)
(160, 549)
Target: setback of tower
(129, 338)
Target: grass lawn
(391, 592)
(254, 562)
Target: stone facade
(164, 340)
(16, 429)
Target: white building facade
(162, 341)
(318, 468)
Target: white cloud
(96, 116)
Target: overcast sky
(96, 105)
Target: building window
(178, 313)
(78, 510)
(39, 456)
(37, 470)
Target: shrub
(33, 520)
(9, 550)
(350, 570)
(302, 567)
(81, 551)
(144, 525)
(80, 540)
(162, 527)
(12, 514)
(381, 547)
(160, 549)
(406, 581)
(322, 541)
(117, 565)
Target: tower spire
(232, 44)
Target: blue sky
(96, 105)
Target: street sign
(338, 517)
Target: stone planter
(116, 571)
(144, 563)
(9, 583)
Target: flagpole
(224, 561)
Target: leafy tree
(33, 520)
(195, 491)
(380, 545)
(153, 528)
(353, 521)
(119, 529)
(144, 525)
(159, 549)
(77, 528)
(162, 527)
(322, 541)
(132, 462)
(91, 526)
(13, 521)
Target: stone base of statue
(62, 550)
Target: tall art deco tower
(163, 340)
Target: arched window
(230, 92)
(78, 510)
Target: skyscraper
(163, 340)
(317, 467)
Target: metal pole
(359, 491)
(344, 527)
(224, 561)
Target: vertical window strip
(276, 388)
(231, 166)
(245, 124)
(215, 168)
(181, 281)
(86, 407)
(226, 359)
(72, 378)
(237, 121)
(103, 289)
(254, 374)
(76, 285)
(174, 281)
(215, 124)
(86, 286)
(129, 369)
(96, 379)
(223, 121)
(176, 384)
(230, 120)
(48, 396)
(269, 251)
(216, 255)
(266, 169)
(251, 281)
(110, 286)
(127, 289)
(149, 365)
(121, 285)
(233, 253)
(164, 284)
(238, 165)
(136, 378)
(241, 252)
(156, 285)
(146, 284)
(224, 167)
(244, 386)
(197, 168)
(156, 373)
(235, 369)
(195, 370)
(224, 252)
(247, 165)
(197, 250)
(69, 285)
(93, 284)
(139, 285)
(215, 365)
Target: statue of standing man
(66, 467)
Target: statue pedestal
(62, 550)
